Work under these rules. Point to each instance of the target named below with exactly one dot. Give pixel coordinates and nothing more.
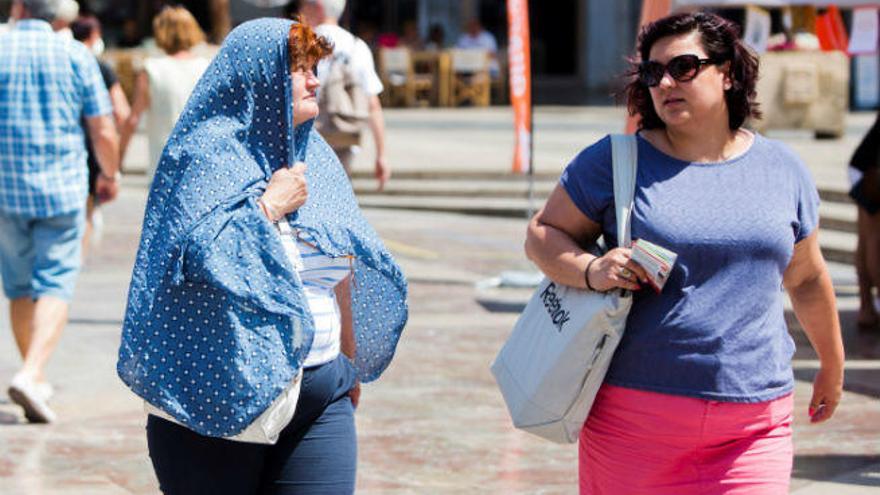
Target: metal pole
(530, 210)
(529, 277)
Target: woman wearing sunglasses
(698, 399)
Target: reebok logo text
(553, 305)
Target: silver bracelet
(270, 213)
(115, 177)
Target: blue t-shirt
(717, 331)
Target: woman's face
(305, 100)
(697, 101)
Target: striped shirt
(320, 274)
(47, 84)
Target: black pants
(315, 454)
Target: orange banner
(519, 61)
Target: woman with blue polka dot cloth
(254, 284)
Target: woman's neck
(182, 54)
(707, 143)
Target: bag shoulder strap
(625, 161)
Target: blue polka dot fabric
(217, 323)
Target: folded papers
(657, 261)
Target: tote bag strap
(624, 157)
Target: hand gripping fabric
(217, 324)
(552, 365)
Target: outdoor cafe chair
(403, 84)
(470, 76)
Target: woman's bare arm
(554, 242)
(140, 104)
(121, 108)
(348, 343)
(812, 297)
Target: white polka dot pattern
(207, 335)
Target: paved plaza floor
(434, 423)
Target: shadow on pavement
(494, 306)
(859, 381)
(8, 418)
(859, 344)
(862, 375)
(825, 467)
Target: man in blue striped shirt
(47, 84)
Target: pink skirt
(639, 442)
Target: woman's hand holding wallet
(615, 269)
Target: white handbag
(555, 359)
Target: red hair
(306, 48)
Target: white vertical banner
(757, 30)
(865, 29)
(866, 86)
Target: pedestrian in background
(410, 36)
(475, 37)
(87, 30)
(324, 16)
(244, 281)
(165, 83)
(698, 398)
(436, 38)
(67, 12)
(864, 173)
(47, 84)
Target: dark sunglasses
(682, 68)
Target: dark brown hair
(83, 27)
(306, 48)
(720, 39)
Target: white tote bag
(556, 357)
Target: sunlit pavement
(434, 423)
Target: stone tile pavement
(435, 422)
